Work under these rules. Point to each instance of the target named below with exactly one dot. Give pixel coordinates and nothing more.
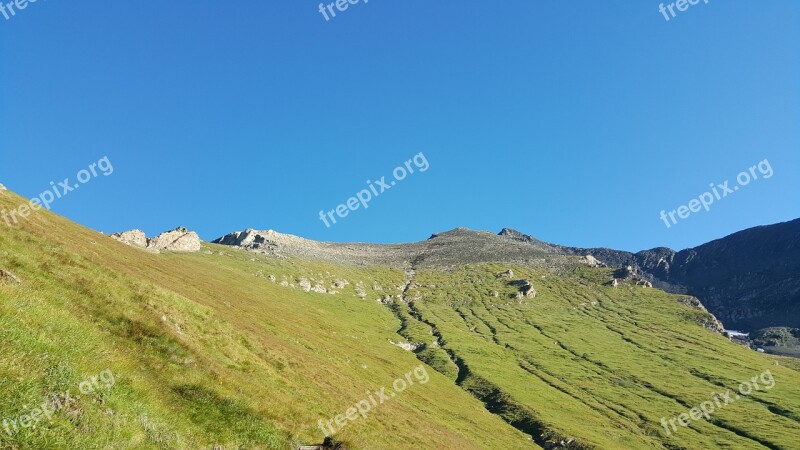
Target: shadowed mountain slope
(749, 280)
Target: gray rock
(708, 321)
(526, 290)
(134, 238)
(591, 261)
(177, 240)
(408, 346)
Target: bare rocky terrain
(455, 247)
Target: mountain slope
(749, 280)
(207, 351)
(232, 348)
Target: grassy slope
(206, 351)
(604, 365)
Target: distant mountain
(749, 280)
(454, 247)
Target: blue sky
(576, 122)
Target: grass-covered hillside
(207, 352)
(596, 365)
(230, 349)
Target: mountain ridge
(704, 271)
(729, 274)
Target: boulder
(134, 238)
(408, 346)
(526, 290)
(178, 240)
(591, 261)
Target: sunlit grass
(208, 352)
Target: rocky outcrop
(407, 346)
(178, 240)
(526, 289)
(317, 286)
(134, 238)
(250, 239)
(633, 275)
(591, 261)
(708, 320)
(781, 337)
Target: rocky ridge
(451, 248)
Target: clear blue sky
(573, 121)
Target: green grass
(207, 352)
(603, 365)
